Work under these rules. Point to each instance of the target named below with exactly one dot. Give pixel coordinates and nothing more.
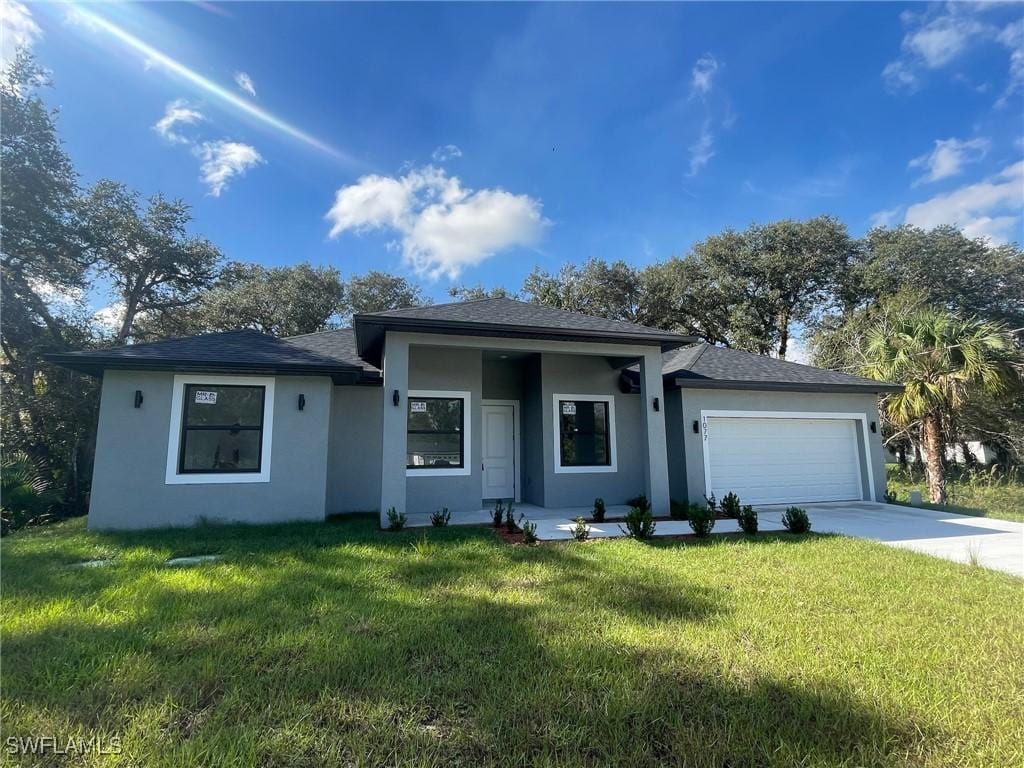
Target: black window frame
(608, 426)
(461, 432)
(183, 434)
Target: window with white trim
(220, 429)
(584, 433)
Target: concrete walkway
(996, 544)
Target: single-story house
(457, 404)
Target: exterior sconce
(874, 427)
(138, 398)
(395, 398)
(696, 427)
(302, 402)
(657, 405)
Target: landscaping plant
(529, 532)
(639, 502)
(440, 518)
(639, 524)
(730, 505)
(796, 521)
(598, 513)
(581, 531)
(748, 519)
(679, 509)
(712, 504)
(702, 519)
(498, 513)
(510, 520)
(396, 520)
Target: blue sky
(468, 143)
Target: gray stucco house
(453, 405)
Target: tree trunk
(935, 456)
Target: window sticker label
(568, 409)
(206, 398)
(418, 406)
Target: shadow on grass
(354, 648)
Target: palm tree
(942, 360)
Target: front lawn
(337, 644)
(969, 493)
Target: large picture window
(584, 433)
(436, 432)
(222, 428)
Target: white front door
(499, 453)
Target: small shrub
(702, 520)
(498, 513)
(599, 510)
(748, 519)
(440, 518)
(580, 531)
(730, 505)
(396, 520)
(796, 521)
(890, 496)
(639, 502)
(680, 510)
(510, 519)
(529, 532)
(712, 504)
(639, 524)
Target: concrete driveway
(997, 544)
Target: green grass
(337, 644)
(976, 494)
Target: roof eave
(371, 328)
(686, 382)
(96, 365)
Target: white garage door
(782, 460)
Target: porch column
(656, 465)
(393, 424)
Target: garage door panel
(768, 461)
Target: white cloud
(941, 34)
(224, 160)
(949, 156)
(178, 112)
(17, 30)
(447, 152)
(887, 217)
(244, 83)
(444, 227)
(702, 149)
(703, 75)
(57, 297)
(990, 208)
(109, 318)
(797, 351)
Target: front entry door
(499, 462)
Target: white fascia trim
(861, 417)
(556, 421)
(174, 430)
(467, 433)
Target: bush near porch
(982, 492)
(341, 644)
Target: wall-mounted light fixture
(138, 398)
(396, 398)
(696, 427)
(874, 427)
(302, 402)
(657, 404)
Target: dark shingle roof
(338, 344)
(507, 318)
(245, 350)
(708, 366)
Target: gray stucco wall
(455, 369)
(129, 488)
(693, 401)
(532, 427)
(354, 453)
(582, 375)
